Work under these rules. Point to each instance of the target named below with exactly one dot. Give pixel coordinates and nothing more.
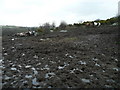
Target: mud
(79, 58)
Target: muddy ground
(78, 58)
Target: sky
(37, 12)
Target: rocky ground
(79, 58)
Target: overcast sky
(37, 12)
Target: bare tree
(63, 25)
(53, 25)
(46, 26)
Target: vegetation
(47, 27)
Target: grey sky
(36, 12)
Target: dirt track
(78, 58)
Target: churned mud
(80, 58)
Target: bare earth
(80, 58)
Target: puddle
(62, 67)
(1, 67)
(38, 64)
(23, 54)
(36, 57)
(46, 67)
(51, 30)
(34, 81)
(28, 76)
(116, 60)
(63, 30)
(12, 47)
(49, 75)
(35, 71)
(19, 66)
(71, 56)
(52, 62)
(49, 86)
(97, 65)
(5, 54)
(28, 66)
(116, 69)
(14, 69)
(110, 80)
(6, 77)
(94, 59)
(82, 62)
(12, 39)
(108, 86)
(81, 70)
(103, 70)
(85, 80)
(103, 54)
(72, 71)
(1, 60)
(91, 75)
(33, 68)
(41, 39)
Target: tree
(63, 25)
(46, 26)
(53, 26)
